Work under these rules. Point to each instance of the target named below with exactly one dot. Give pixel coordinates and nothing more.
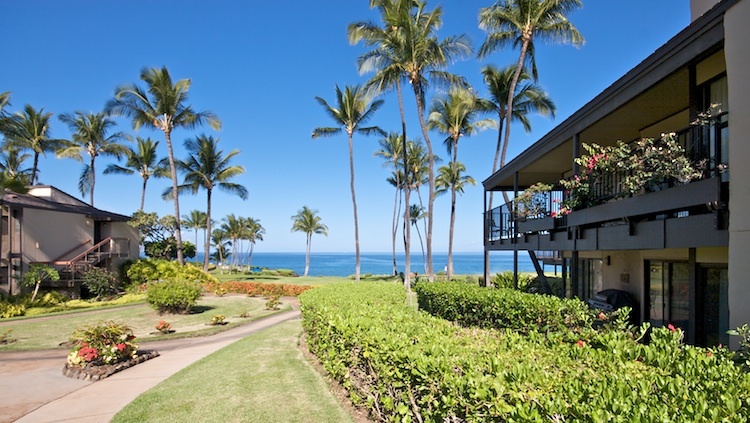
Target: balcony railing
(706, 146)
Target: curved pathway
(35, 389)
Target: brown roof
(22, 201)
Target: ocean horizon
(342, 264)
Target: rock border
(94, 372)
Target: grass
(48, 333)
(261, 378)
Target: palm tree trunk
(307, 253)
(34, 168)
(416, 225)
(93, 181)
(206, 240)
(354, 206)
(501, 121)
(407, 227)
(394, 228)
(511, 96)
(173, 170)
(431, 182)
(143, 193)
(449, 270)
(421, 244)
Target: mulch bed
(98, 372)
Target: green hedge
(173, 296)
(143, 271)
(471, 305)
(405, 365)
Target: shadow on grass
(198, 309)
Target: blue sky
(259, 65)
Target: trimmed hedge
(258, 288)
(143, 271)
(471, 305)
(405, 365)
(173, 296)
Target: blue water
(342, 264)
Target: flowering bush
(532, 202)
(103, 343)
(218, 319)
(163, 327)
(258, 288)
(273, 302)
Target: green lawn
(48, 333)
(261, 378)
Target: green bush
(145, 271)
(405, 365)
(505, 280)
(471, 305)
(100, 282)
(9, 309)
(173, 296)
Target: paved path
(34, 389)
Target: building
(680, 251)
(51, 227)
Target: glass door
(669, 294)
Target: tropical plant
(391, 151)
(353, 107)
(173, 296)
(417, 213)
(308, 221)
(254, 232)
(234, 229)
(100, 282)
(207, 168)
(219, 240)
(451, 178)
(196, 220)
(102, 343)
(519, 23)
(38, 273)
(528, 98)
(91, 135)
(30, 130)
(144, 161)
(13, 176)
(161, 106)
(533, 201)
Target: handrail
(98, 245)
(88, 241)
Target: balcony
(700, 203)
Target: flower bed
(257, 288)
(95, 372)
(404, 365)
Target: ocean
(342, 264)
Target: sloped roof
(22, 201)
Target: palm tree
(30, 130)
(450, 178)
(354, 107)
(4, 101)
(219, 240)
(143, 160)
(196, 220)
(519, 23)
(207, 167)
(11, 162)
(90, 136)
(309, 222)
(416, 213)
(254, 232)
(455, 117)
(529, 98)
(162, 106)
(391, 150)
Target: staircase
(72, 270)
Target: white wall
(48, 235)
(737, 34)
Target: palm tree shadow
(200, 309)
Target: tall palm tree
(519, 23)
(417, 213)
(234, 229)
(354, 107)
(4, 119)
(451, 178)
(144, 160)
(254, 232)
(207, 168)
(529, 98)
(196, 220)
(219, 240)
(11, 165)
(30, 130)
(91, 135)
(161, 106)
(309, 222)
(391, 150)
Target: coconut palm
(196, 220)
(4, 101)
(30, 130)
(161, 106)
(519, 23)
(219, 240)
(308, 221)
(354, 107)
(207, 168)
(455, 116)
(529, 98)
(451, 178)
(15, 177)
(254, 232)
(144, 160)
(391, 151)
(417, 213)
(234, 229)
(91, 135)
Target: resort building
(51, 227)
(679, 248)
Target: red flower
(580, 343)
(602, 316)
(121, 347)
(671, 327)
(709, 354)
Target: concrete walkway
(35, 390)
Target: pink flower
(671, 327)
(580, 343)
(121, 347)
(602, 316)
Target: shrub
(173, 296)
(218, 319)
(273, 303)
(505, 280)
(6, 337)
(102, 343)
(258, 288)
(163, 327)
(8, 309)
(471, 305)
(100, 282)
(145, 271)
